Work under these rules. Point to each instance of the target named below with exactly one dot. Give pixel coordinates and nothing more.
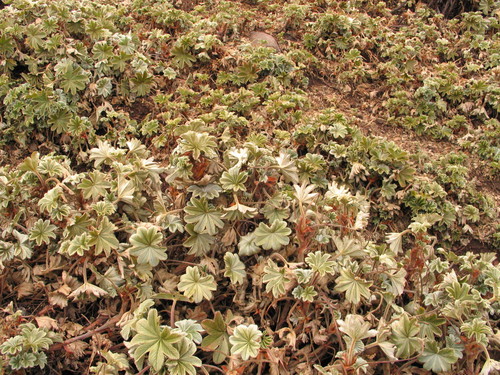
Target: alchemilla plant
(175, 199)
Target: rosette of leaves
(27, 349)
(197, 144)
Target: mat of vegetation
(175, 199)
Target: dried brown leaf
(77, 348)
(24, 289)
(289, 336)
(46, 322)
(58, 299)
(229, 238)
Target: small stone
(258, 38)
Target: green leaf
(125, 191)
(216, 329)
(348, 247)
(104, 153)
(186, 363)
(217, 338)
(477, 329)
(354, 286)
(95, 186)
(195, 286)
(247, 246)
(272, 237)
(30, 164)
(459, 292)
(22, 248)
(155, 341)
(142, 83)
(198, 143)
(471, 213)
(287, 167)
(303, 275)
(35, 339)
(404, 175)
(437, 359)
(404, 336)
(356, 328)
(395, 282)
(190, 328)
(79, 244)
(35, 35)
(12, 345)
(42, 231)
(209, 191)
(245, 341)
(181, 57)
(102, 51)
(275, 279)
(305, 294)
(319, 262)
(138, 313)
(115, 362)
(78, 225)
(206, 218)
(200, 243)
(146, 246)
(172, 223)
(235, 269)
(103, 238)
(50, 200)
(429, 326)
(72, 77)
(23, 360)
(233, 179)
(104, 208)
(104, 87)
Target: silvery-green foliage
(195, 286)
(28, 348)
(245, 341)
(164, 142)
(235, 269)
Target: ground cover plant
(177, 200)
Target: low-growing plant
(173, 201)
